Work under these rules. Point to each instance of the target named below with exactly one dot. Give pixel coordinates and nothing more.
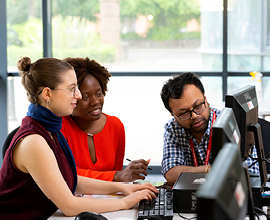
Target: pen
(149, 168)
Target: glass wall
(245, 35)
(24, 38)
(160, 37)
(211, 13)
(248, 51)
(24, 31)
(138, 35)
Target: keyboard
(159, 208)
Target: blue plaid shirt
(177, 151)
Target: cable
(256, 214)
(183, 217)
(267, 160)
(256, 161)
(253, 164)
(260, 211)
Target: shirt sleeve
(172, 153)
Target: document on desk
(113, 196)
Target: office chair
(8, 140)
(265, 127)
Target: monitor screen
(245, 108)
(226, 192)
(224, 130)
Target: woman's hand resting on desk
(135, 170)
(138, 192)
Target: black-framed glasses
(72, 90)
(197, 110)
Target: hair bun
(24, 64)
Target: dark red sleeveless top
(20, 197)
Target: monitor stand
(250, 210)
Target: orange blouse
(109, 146)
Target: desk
(130, 214)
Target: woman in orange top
(97, 140)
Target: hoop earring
(48, 102)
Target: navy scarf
(53, 124)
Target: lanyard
(208, 148)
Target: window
(268, 25)
(24, 31)
(144, 42)
(244, 35)
(140, 36)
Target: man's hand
(136, 169)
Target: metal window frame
(3, 76)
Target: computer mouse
(90, 216)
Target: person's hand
(135, 170)
(134, 198)
(128, 189)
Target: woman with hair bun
(96, 139)
(38, 174)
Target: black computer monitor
(244, 104)
(224, 130)
(245, 107)
(226, 193)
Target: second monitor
(225, 129)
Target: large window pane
(268, 25)
(139, 35)
(245, 35)
(17, 102)
(24, 31)
(262, 87)
(212, 87)
(24, 38)
(211, 34)
(136, 101)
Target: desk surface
(130, 214)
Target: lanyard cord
(208, 148)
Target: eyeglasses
(72, 90)
(197, 110)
